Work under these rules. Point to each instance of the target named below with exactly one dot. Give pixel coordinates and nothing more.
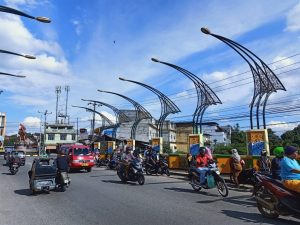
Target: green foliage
(291, 137)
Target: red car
(80, 156)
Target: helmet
(202, 150)
(263, 152)
(278, 151)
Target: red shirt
(201, 160)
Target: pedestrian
(236, 166)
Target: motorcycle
(14, 168)
(245, 177)
(62, 181)
(163, 167)
(273, 199)
(212, 180)
(135, 172)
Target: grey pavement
(100, 198)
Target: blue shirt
(287, 165)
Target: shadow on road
(238, 200)
(256, 218)
(25, 192)
(191, 191)
(7, 173)
(167, 182)
(118, 182)
(105, 175)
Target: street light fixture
(17, 12)
(18, 54)
(12, 75)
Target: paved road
(100, 198)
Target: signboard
(195, 141)
(257, 140)
(157, 144)
(111, 145)
(131, 143)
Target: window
(73, 137)
(51, 137)
(63, 137)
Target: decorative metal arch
(167, 106)
(117, 112)
(141, 112)
(206, 96)
(265, 80)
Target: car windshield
(81, 151)
(20, 154)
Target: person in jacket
(264, 162)
(236, 166)
(290, 169)
(275, 163)
(201, 164)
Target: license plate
(45, 183)
(84, 164)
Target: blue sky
(90, 43)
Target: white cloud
(293, 19)
(280, 126)
(32, 122)
(27, 100)
(78, 26)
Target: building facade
(58, 134)
(212, 134)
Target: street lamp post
(119, 115)
(167, 105)
(205, 95)
(141, 113)
(17, 12)
(265, 80)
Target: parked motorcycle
(212, 180)
(14, 168)
(135, 172)
(273, 199)
(63, 181)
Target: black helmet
(202, 150)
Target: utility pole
(77, 130)
(42, 150)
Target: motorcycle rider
(290, 169)
(201, 164)
(14, 158)
(61, 163)
(275, 163)
(263, 162)
(127, 159)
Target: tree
(274, 140)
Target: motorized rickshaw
(42, 175)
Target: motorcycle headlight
(218, 172)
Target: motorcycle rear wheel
(272, 214)
(194, 184)
(167, 171)
(222, 188)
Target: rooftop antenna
(57, 91)
(67, 89)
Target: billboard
(195, 141)
(257, 140)
(157, 144)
